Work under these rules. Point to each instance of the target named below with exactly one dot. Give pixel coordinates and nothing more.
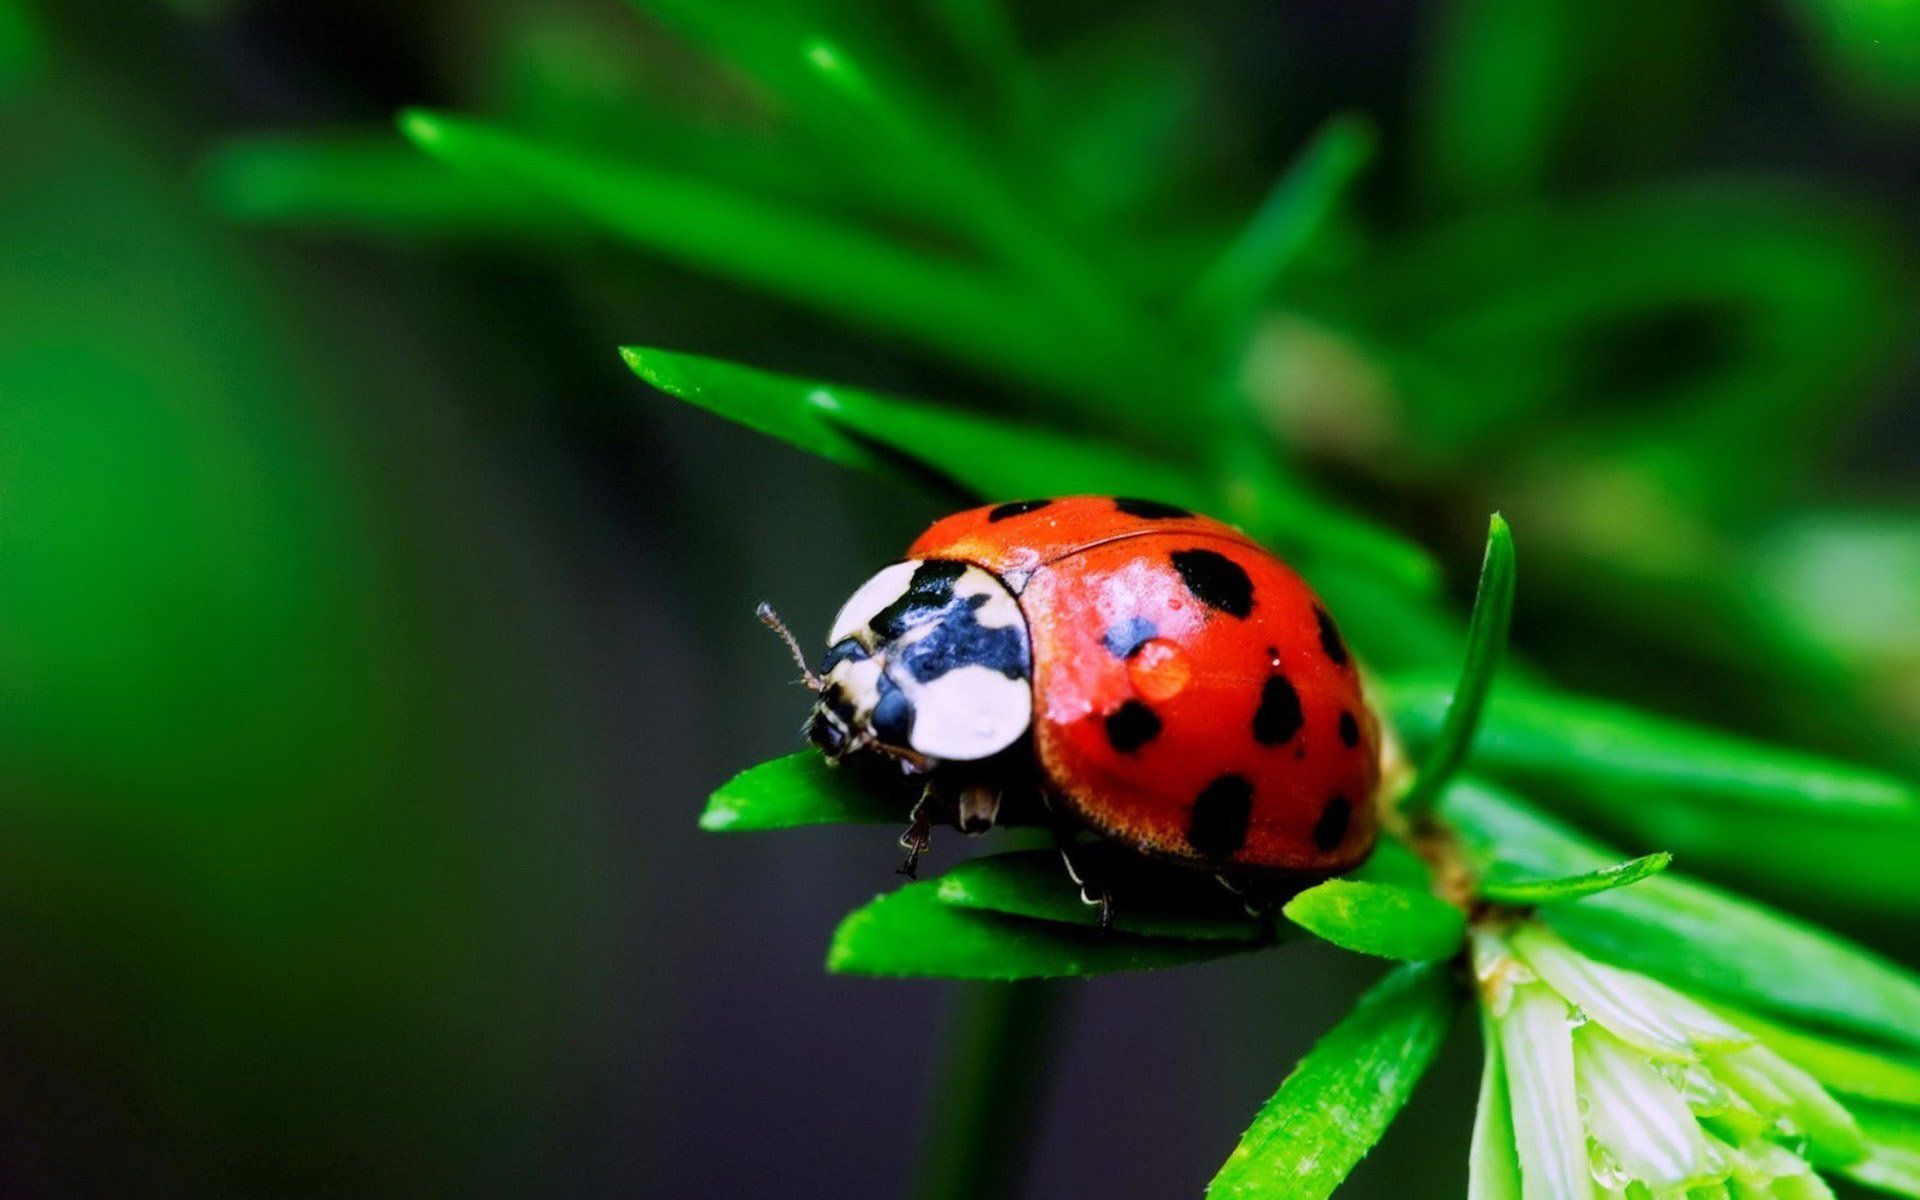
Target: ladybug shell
(1192, 699)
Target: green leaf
(1493, 1162)
(1285, 225)
(986, 458)
(1486, 646)
(1379, 918)
(1572, 887)
(947, 305)
(1872, 45)
(370, 180)
(1741, 809)
(1508, 325)
(1537, 734)
(22, 46)
(1693, 936)
(799, 789)
(1503, 83)
(913, 932)
(990, 459)
(1167, 903)
(1842, 1066)
(1340, 1099)
(1892, 1163)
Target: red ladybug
(1158, 677)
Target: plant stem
(991, 1086)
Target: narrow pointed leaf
(989, 459)
(1845, 1067)
(1533, 732)
(1338, 1102)
(945, 304)
(1380, 919)
(1892, 1164)
(1493, 1162)
(1169, 903)
(1744, 810)
(369, 181)
(1502, 890)
(798, 789)
(980, 456)
(1486, 646)
(1694, 936)
(1285, 225)
(912, 932)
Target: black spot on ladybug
(1149, 510)
(929, 591)
(1132, 726)
(1124, 640)
(1279, 717)
(1216, 580)
(1330, 637)
(1349, 729)
(1015, 508)
(1331, 829)
(1218, 825)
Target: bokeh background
(369, 635)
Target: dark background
(371, 637)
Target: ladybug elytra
(1156, 676)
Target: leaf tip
(657, 367)
(720, 815)
(423, 127)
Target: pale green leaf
(1338, 1102)
(1379, 918)
(1500, 888)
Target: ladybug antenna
(771, 620)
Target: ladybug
(1154, 675)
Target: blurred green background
(369, 635)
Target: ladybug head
(831, 726)
(928, 662)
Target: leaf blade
(1380, 919)
(1487, 631)
(795, 790)
(1539, 733)
(843, 270)
(911, 932)
(1694, 936)
(1339, 1100)
(1284, 225)
(1563, 888)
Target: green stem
(991, 1085)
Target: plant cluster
(1647, 1035)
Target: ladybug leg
(1259, 903)
(979, 808)
(1092, 890)
(919, 835)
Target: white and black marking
(932, 657)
